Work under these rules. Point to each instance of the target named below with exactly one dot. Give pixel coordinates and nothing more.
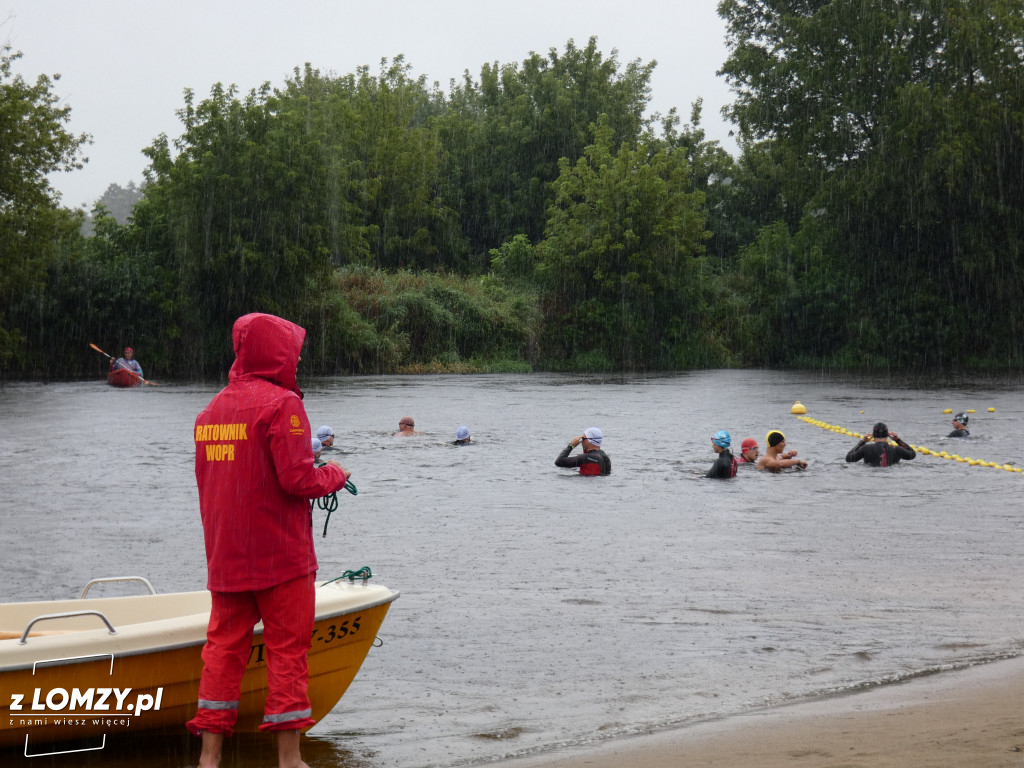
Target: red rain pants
(287, 611)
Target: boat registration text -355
(332, 633)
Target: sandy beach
(971, 718)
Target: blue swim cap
(722, 439)
(462, 433)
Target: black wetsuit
(881, 454)
(724, 466)
(958, 433)
(594, 462)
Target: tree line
(537, 217)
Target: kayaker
(462, 436)
(406, 427)
(959, 426)
(776, 457)
(878, 451)
(593, 460)
(256, 474)
(725, 465)
(748, 451)
(128, 362)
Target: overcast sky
(124, 64)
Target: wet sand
(972, 718)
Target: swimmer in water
(725, 465)
(878, 451)
(593, 461)
(326, 437)
(406, 427)
(959, 426)
(776, 457)
(748, 451)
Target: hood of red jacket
(268, 347)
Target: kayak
(122, 377)
(79, 669)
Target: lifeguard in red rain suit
(255, 472)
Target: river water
(541, 610)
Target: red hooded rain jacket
(254, 464)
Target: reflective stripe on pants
(287, 612)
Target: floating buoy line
(919, 448)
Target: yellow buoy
(991, 410)
(798, 407)
(948, 410)
(969, 410)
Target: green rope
(329, 503)
(363, 573)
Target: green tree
(902, 126)
(34, 143)
(266, 195)
(516, 261)
(505, 135)
(102, 289)
(404, 219)
(716, 174)
(244, 215)
(620, 258)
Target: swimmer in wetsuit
(959, 426)
(593, 461)
(725, 465)
(880, 452)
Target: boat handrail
(68, 615)
(106, 579)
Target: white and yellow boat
(79, 669)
